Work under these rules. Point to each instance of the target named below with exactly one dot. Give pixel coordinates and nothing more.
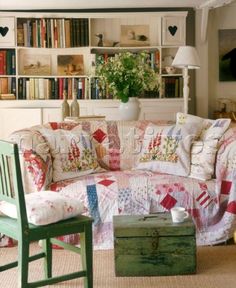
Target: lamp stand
(185, 89)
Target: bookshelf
(46, 53)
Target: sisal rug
(216, 268)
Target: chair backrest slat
(11, 187)
(7, 188)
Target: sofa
(113, 169)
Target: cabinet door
(162, 110)
(13, 119)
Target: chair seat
(72, 225)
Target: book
(20, 88)
(70, 65)
(25, 29)
(86, 32)
(13, 86)
(20, 34)
(67, 33)
(52, 33)
(49, 36)
(8, 96)
(31, 88)
(39, 85)
(9, 62)
(2, 62)
(4, 86)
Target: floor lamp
(186, 58)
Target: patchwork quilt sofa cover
(101, 168)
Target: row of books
(55, 88)
(7, 86)
(7, 62)
(52, 33)
(172, 87)
(52, 88)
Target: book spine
(13, 62)
(4, 86)
(41, 88)
(25, 28)
(29, 34)
(27, 89)
(39, 39)
(43, 33)
(80, 89)
(81, 32)
(48, 33)
(20, 34)
(46, 89)
(13, 86)
(24, 88)
(20, 88)
(63, 39)
(32, 88)
(67, 33)
(58, 33)
(55, 34)
(56, 88)
(9, 62)
(52, 33)
(60, 88)
(36, 88)
(86, 32)
(2, 62)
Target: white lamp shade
(186, 56)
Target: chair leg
(87, 255)
(47, 249)
(23, 263)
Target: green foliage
(127, 75)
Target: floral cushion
(72, 151)
(35, 159)
(203, 152)
(45, 207)
(167, 148)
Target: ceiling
(96, 4)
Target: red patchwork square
(225, 187)
(99, 135)
(106, 182)
(168, 202)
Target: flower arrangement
(127, 75)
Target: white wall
(209, 88)
(202, 73)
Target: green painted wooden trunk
(152, 245)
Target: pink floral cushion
(166, 149)
(45, 207)
(35, 159)
(72, 151)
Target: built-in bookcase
(43, 54)
(51, 53)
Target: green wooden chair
(11, 190)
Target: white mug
(178, 214)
